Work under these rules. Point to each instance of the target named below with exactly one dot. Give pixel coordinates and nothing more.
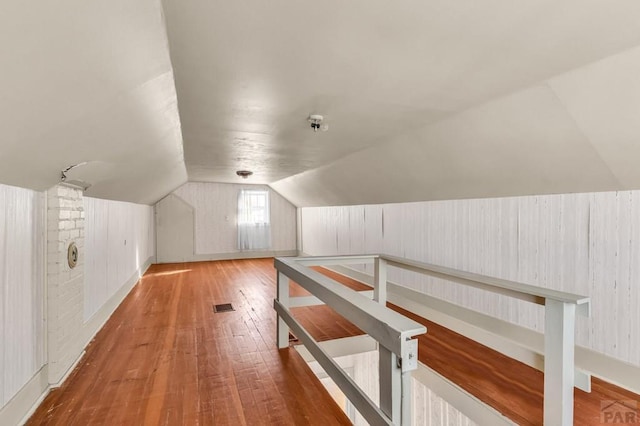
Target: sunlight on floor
(160, 274)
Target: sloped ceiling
(577, 132)
(424, 99)
(89, 82)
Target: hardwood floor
(164, 358)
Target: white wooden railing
(398, 352)
(559, 338)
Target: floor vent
(224, 307)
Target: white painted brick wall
(65, 286)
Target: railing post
(395, 388)
(282, 334)
(380, 281)
(390, 384)
(559, 336)
(406, 398)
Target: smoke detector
(316, 122)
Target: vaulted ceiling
(89, 82)
(424, 99)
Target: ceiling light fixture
(316, 122)
(63, 173)
(74, 182)
(244, 173)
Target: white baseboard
(22, 406)
(237, 255)
(66, 373)
(517, 342)
(97, 320)
(25, 402)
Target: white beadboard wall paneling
(22, 334)
(216, 207)
(431, 410)
(582, 243)
(120, 240)
(95, 276)
(366, 376)
(615, 255)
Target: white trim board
(514, 341)
(237, 255)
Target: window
(254, 230)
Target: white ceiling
(425, 99)
(576, 132)
(89, 82)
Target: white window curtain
(254, 229)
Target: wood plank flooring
(165, 358)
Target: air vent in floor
(224, 307)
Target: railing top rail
(388, 327)
(514, 289)
(351, 259)
(519, 290)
